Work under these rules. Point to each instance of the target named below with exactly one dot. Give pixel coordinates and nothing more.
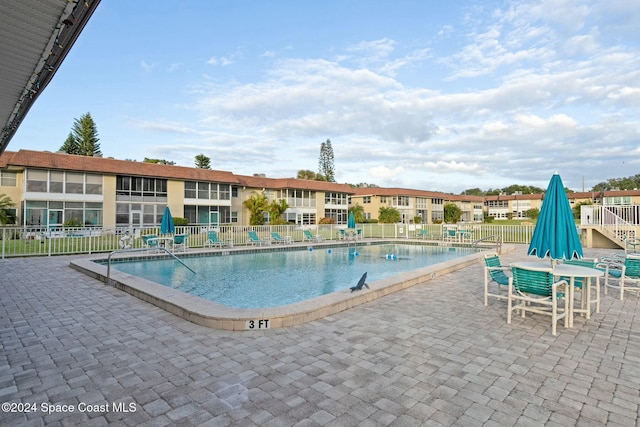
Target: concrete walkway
(429, 355)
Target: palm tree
(358, 213)
(452, 213)
(256, 204)
(6, 215)
(388, 215)
(276, 210)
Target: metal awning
(36, 36)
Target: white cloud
(532, 88)
(222, 61)
(146, 67)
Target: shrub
(73, 222)
(180, 221)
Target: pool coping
(218, 316)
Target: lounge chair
(624, 275)
(180, 242)
(150, 241)
(534, 290)
(494, 271)
(424, 234)
(213, 240)
(451, 234)
(311, 238)
(277, 238)
(255, 240)
(631, 245)
(342, 234)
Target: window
(161, 187)
(73, 212)
(336, 198)
(148, 214)
(148, 187)
(94, 184)
(56, 182)
(366, 199)
(36, 213)
(122, 213)
(93, 214)
(135, 188)
(190, 189)
(37, 181)
(8, 178)
(74, 183)
(123, 185)
(339, 215)
(203, 190)
(225, 191)
(400, 201)
(57, 214)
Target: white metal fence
(29, 241)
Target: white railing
(30, 241)
(616, 221)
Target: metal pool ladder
(497, 238)
(141, 250)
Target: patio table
(572, 271)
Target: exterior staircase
(615, 223)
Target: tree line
(83, 140)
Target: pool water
(275, 278)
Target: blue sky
(436, 95)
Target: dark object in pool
(360, 284)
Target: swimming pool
(220, 316)
(276, 278)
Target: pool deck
(217, 316)
(428, 355)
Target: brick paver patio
(429, 355)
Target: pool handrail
(141, 250)
(497, 238)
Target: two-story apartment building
(512, 206)
(427, 205)
(53, 189)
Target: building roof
(48, 160)
(391, 192)
(600, 194)
(36, 37)
(515, 197)
(293, 183)
(72, 162)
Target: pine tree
(203, 162)
(325, 164)
(85, 133)
(70, 146)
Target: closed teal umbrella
(352, 221)
(167, 226)
(556, 235)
